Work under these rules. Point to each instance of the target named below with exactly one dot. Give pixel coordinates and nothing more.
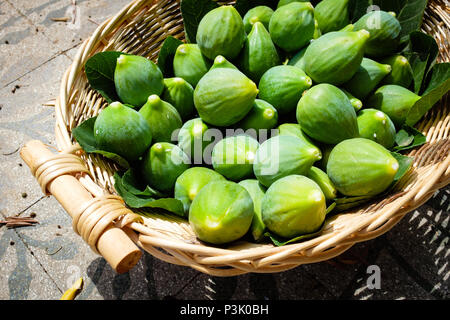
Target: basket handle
(55, 173)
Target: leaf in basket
(192, 12)
(405, 164)
(99, 71)
(166, 55)
(280, 241)
(421, 53)
(242, 6)
(134, 185)
(84, 135)
(140, 202)
(347, 203)
(408, 137)
(438, 86)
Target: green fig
(180, 94)
(221, 212)
(259, 53)
(189, 63)
(129, 141)
(356, 103)
(332, 15)
(163, 164)
(393, 100)
(281, 156)
(192, 140)
(294, 129)
(324, 182)
(293, 206)
(361, 167)
(384, 31)
(401, 74)
(233, 157)
(191, 181)
(298, 59)
(224, 96)
(367, 78)
(345, 52)
(222, 62)
(326, 114)
(282, 87)
(256, 191)
(375, 125)
(221, 32)
(163, 119)
(292, 26)
(136, 78)
(262, 116)
(257, 14)
(285, 2)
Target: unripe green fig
(191, 139)
(281, 156)
(294, 129)
(332, 15)
(191, 181)
(163, 163)
(256, 191)
(326, 114)
(221, 32)
(257, 14)
(129, 141)
(233, 157)
(298, 59)
(361, 167)
(259, 53)
(162, 117)
(384, 31)
(393, 100)
(136, 78)
(293, 206)
(180, 94)
(367, 78)
(375, 125)
(224, 96)
(356, 103)
(222, 62)
(262, 116)
(282, 86)
(189, 63)
(345, 52)
(285, 2)
(292, 26)
(401, 74)
(221, 212)
(323, 181)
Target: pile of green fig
(265, 121)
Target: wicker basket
(83, 184)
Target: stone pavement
(42, 261)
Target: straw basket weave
(140, 28)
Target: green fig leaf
(405, 164)
(346, 203)
(421, 53)
(142, 202)
(242, 6)
(132, 183)
(166, 55)
(192, 12)
(438, 86)
(84, 135)
(99, 71)
(408, 137)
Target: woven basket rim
(162, 243)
